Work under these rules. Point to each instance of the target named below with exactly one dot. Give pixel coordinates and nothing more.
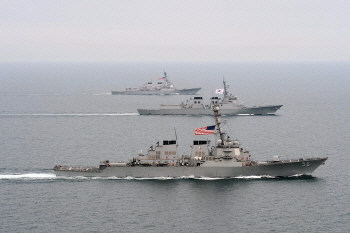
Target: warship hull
(209, 169)
(191, 91)
(261, 110)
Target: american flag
(205, 130)
(161, 78)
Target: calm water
(64, 113)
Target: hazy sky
(167, 30)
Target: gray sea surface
(63, 113)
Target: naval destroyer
(224, 160)
(164, 87)
(196, 106)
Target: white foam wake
(248, 177)
(69, 114)
(167, 178)
(27, 176)
(108, 93)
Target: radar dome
(216, 108)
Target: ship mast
(165, 77)
(216, 109)
(225, 89)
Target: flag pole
(176, 136)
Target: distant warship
(165, 87)
(224, 160)
(195, 106)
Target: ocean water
(63, 113)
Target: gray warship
(224, 160)
(165, 87)
(196, 106)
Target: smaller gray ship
(164, 87)
(196, 106)
(224, 160)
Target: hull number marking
(307, 164)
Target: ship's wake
(29, 115)
(29, 176)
